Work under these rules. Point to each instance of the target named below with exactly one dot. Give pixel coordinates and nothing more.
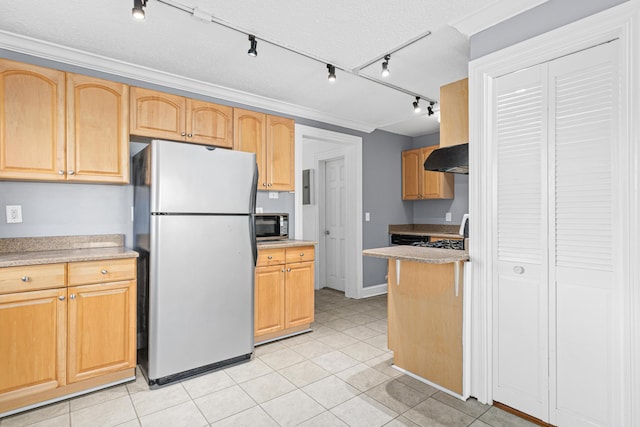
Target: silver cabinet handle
(269, 257)
(288, 270)
(104, 271)
(301, 253)
(71, 172)
(61, 297)
(183, 133)
(264, 184)
(283, 270)
(518, 269)
(60, 172)
(72, 296)
(189, 135)
(269, 185)
(25, 278)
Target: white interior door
(520, 317)
(334, 220)
(558, 302)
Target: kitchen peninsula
(426, 314)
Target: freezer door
(188, 178)
(201, 292)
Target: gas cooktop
(443, 244)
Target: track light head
(416, 105)
(385, 66)
(332, 73)
(138, 9)
(430, 108)
(253, 50)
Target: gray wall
(382, 197)
(536, 21)
(433, 211)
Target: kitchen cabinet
(97, 130)
(284, 291)
(271, 138)
(165, 116)
(32, 141)
(418, 184)
(36, 144)
(454, 113)
(425, 317)
(61, 336)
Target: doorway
(333, 217)
(314, 149)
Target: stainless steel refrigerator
(194, 229)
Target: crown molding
(493, 14)
(75, 57)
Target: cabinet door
(299, 295)
(32, 143)
(157, 114)
(209, 123)
(33, 342)
(411, 174)
(454, 113)
(249, 134)
(102, 329)
(98, 130)
(280, 153)
(435, 185)
(269, 300)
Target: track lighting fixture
(385, 66)
(138, 9)
(416, 105)
(332, 73)
(253, 50)
(430, 108)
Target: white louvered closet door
(557, 307)
(586, 340)
(520, 297)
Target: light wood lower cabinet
(425, 322)
(58, 339)
(284, 292)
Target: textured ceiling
(349, 34)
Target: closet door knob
(518, 269)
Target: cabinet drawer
(110, 270)
(268, 257)
(299, 254)
(32, 277)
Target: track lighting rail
(355, 71)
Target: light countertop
(56, 249)
(418, 254)
(290, 243)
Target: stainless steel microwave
(272, 226)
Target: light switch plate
(367, 216)
(447, 217)
(14, 214)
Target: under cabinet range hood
(453, 159)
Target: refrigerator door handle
(254, 190)
(252, 236)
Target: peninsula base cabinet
(284, 292)
(58, 339)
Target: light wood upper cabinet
(209, 123)
(418, 184)
(162, 115)
(32, 120)
(271, 138)
(280, 153)
(97, 130)
(454, 113)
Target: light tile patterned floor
(338, 375)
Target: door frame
(320, 161)
(352, 147)
(621, 22)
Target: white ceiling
(349, 34)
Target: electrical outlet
(447, 217)
(273, 194)
(259, 209)
(14, 214)
(367, 216)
